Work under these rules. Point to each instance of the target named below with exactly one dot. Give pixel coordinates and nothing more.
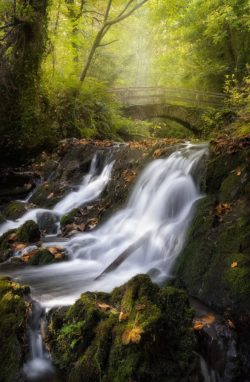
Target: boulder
(13, 330)
(138, 332)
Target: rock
(47, 222)
(43, 256)
(214, 265)
(219, 237)
(14, 210)
(16, 183)
(13, 331)
(6, 248)
(105, 337)
(17, 239)
(28, 233)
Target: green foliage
(238, 93)
(125, 335)
(87, 111)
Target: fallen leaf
(123, 316)
(92, 223)
(132, 335)
(238, 173)
(222, 208)
(157, 153)
(50, 195)
(59, 256)
(234, 264)
(53, 250)
(200, 322)
(128, 175)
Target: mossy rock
(138, 332)
(41, 257)
(217, 240)
(12, 329)
(68, 218)
(28, 232)
(14, 210)
(6, 250)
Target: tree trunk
(95, 45)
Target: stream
(145, 236)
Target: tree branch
(107, 10)
(108, 43)
(126, 7)
(126, 15)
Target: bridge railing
(159, 95)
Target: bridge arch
(184, 106)
(188, 117)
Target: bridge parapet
(164, 95)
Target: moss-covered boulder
(13, 313)
(10, 241)
(6, 247)
(139, 332)
(42, 256)
(14, 210)
(28, 232)
(215, 263)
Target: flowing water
(145, 236)
(90, 188)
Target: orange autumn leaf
(132, 335)
(50, 195)
(19, 246)
(234, 264)
(200, 322)
(128, 175)
(238, 173)
(157, 153)
(222, 208)
(123, 316)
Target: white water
(39, 366)
(148, 234)
(152, 228)
(90, 188)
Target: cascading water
(40, 366)
(144, 237)
(90, 188)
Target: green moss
(68, 218)
(238, 277)
(12, 328)
(88, 343)
(41, 257)
(14, 210)
(204, 266)
(5, 246)
(232, 185)
(28, 232)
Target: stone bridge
(181, 105)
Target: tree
(129, 9)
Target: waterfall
(39, 367)
(90, 188)
(145, 236)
